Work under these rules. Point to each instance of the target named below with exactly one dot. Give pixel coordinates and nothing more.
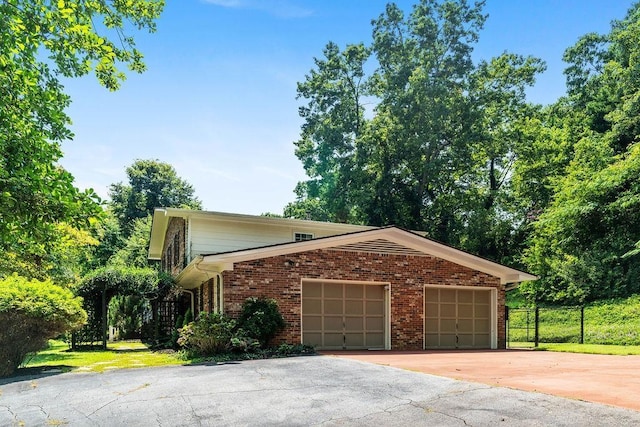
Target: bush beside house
(214, 333)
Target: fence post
(582, 325)
(506, 325)
(537, 324)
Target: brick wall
(280, 278)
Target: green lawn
(618, 350)
(124, 354)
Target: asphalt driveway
(314, 390)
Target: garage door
(457, 318)
(343, 315)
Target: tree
(582, 244)
(39, 42)
(134, 253)
(152, 184)
(330, 140)
(437, 150)
(110, 240)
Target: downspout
(218, 285)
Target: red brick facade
(280, 278)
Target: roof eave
(404, 237)
(159, 226)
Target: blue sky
(218, 101)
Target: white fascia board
(439, 250)
(257, 219)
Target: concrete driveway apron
(612, 380)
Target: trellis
(102, 285)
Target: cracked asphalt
(315, 390)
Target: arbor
(151, 184)
(100, 286)
(436, 149)
(39, 42)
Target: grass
(134, 354)
(616, 350)
(124, 354)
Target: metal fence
(528, 327)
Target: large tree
(40, 41)
(435, 148)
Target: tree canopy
(152, 184)
(408, 130)
(583, 242)
(427, 140)
(41, 41)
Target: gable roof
(387, 240)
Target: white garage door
(343, 316)
(457, 318)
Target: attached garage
(339, 315)
(459, 317)
(384, 288)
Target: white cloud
(278, 8)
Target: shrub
(242, 343)
(31, 313)
(126, 313)
(261, 319)
(208, 335)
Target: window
(301, 237)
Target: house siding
(280, 278)
(210, 236)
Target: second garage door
(458, 318)
(343, 315)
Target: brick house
(338, 286)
